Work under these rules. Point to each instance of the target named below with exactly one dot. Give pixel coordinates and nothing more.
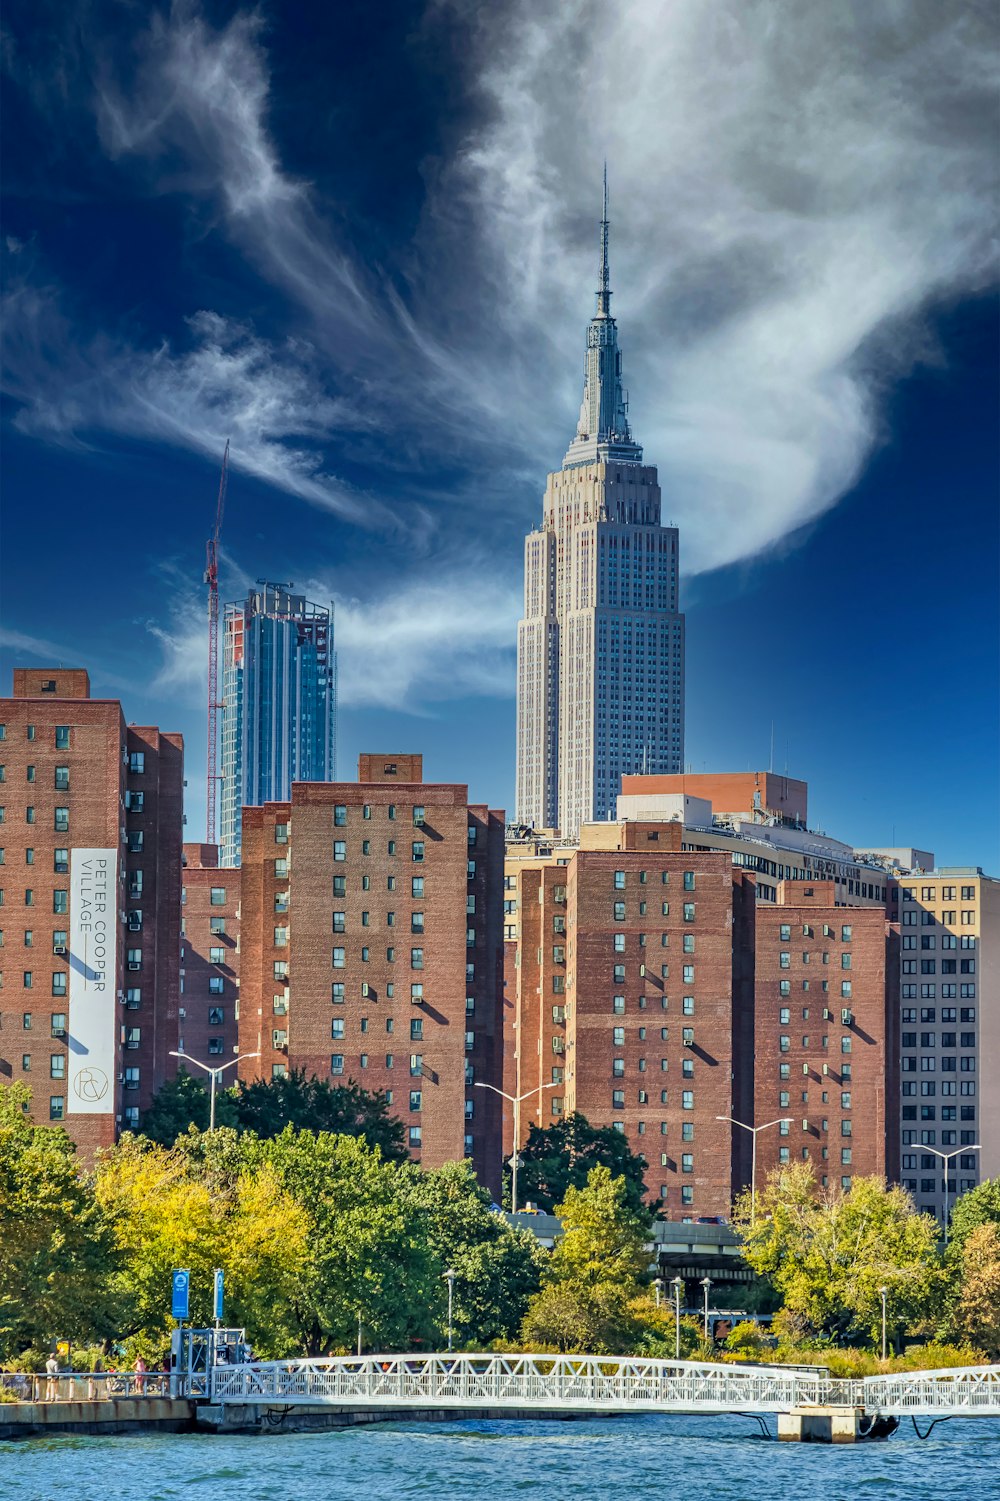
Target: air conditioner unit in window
(847, 1017)
(121, 1078)
(826, 1068)
(121, 995)
(131, 964)
(59, 948)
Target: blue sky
(360, 242)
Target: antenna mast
(214, 702)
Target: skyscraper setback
(600, 650)
(279, 688)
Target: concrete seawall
(117, 1415)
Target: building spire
(603, 430)
(604, 291)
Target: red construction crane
(214, 702)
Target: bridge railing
(542, 1381)
(954, 1389)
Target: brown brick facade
(392, 939)
(210, 958)
(75, 777)
(825, 1036)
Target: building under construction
(279, 702)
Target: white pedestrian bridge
(568, 1384)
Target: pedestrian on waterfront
(140, 1372)
(52, 1379)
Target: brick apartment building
(90, 847)
(826, 1035)
(210, 958)
(372, 949)
(633, 999)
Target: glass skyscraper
(279, 714)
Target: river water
(600, 1459)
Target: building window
(62, 737)
(418, 850)
(340, 850)
(619, 880)
(280, 938)
(414, 1138)
(216, 985)
(57, 1107)
(340, 958)
(337, 1028)
(416, 1064)
(59, 983)
(215, 956)
(336, 1063)
(340, 815)
(60, 862)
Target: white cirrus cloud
(794, 188)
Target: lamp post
(946, 1158)
(706, 1283)
(216, 1073)
(884, 1292)
(658, 1286)
(359, 1331)
(677, 1283)
(515, 1100)
(449, 1277)
(782, 1120)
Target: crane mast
(214, 702)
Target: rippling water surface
(659, 1458)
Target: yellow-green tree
(55, 1252)
(829, 1252)
(166, 1210)
(975, 1312)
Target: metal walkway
(599, 1384)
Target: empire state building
(600, 649)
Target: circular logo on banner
(180, 1281)
(90, 1083)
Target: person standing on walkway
(52, 1379)
(140, 1375)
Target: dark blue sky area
(359, 242)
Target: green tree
(975, 1311)
(55, 1252)
(369, 1256)
(183, 1102)
(591, 1299)
(828, 1252)
(498, 1268)
(558, 1157)
(266, 1107)
(980, 1206)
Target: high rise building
(826, 1045)
(600, 676)
(279, 716)
(372, 948)
(631, 993)
(90, 887)
(949, 1020)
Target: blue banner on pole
(217, 1295)
(181, 1295)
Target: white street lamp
(658, 1285)
(677, 1283)
(781, 1121)
(946, 1158)
(449, 1277)
(215, 1073)
(706, 1283)
(515, 1100)
(884, 1293)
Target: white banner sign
(93, 937)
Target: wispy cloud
(793, 188)
(409, 649)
